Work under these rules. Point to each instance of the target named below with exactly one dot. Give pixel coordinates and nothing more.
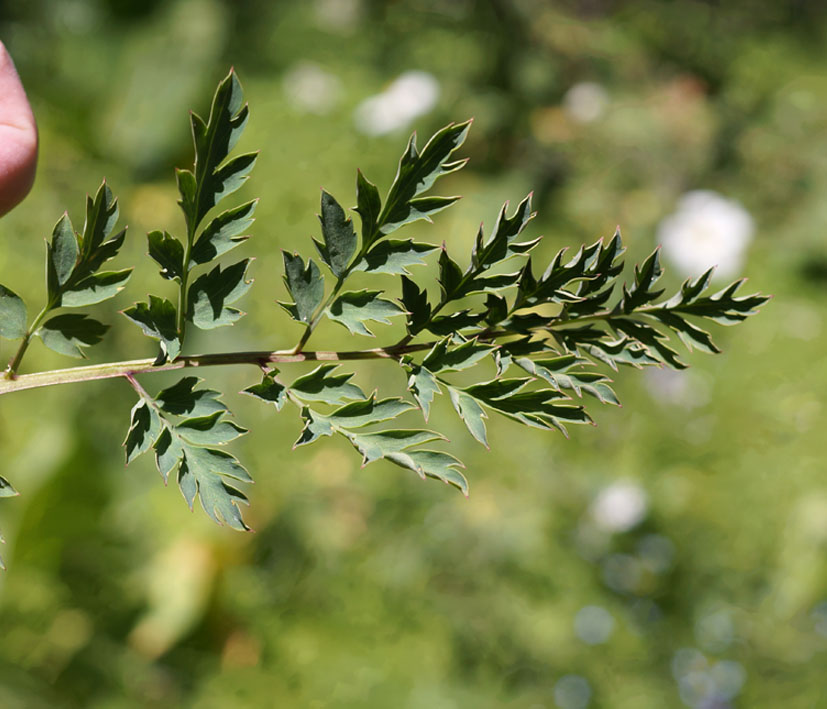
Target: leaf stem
(111, 370)
(130, 377)
(14, 365)
(181, 324)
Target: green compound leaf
(269, 390)
(394, 256)
(73, 260)
(202, 470)
(223, 234)
(210, 430)
(70, 333)
(212, 293)
(723, 307)
(12, 315)
(502, 244)
(304, 284)
(322, 385)
(339, 237)
(417, 173)
(576, 283)
(600, 267)
(212, 178)
(157, 320)
(353, 308)
(641, 293)
(168, 253)
(144, 429)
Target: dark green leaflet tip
(6, 489)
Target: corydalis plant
(531, 345)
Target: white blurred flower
(729, 677)
(572, 692)
(703, 685)
(409, 96)
(311, 89)
(593, 624)
(339, 16)
(715, 631)
(585, 102)
(619, 507)
(706, 230)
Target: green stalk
(181, 324)
(112, 370)
(14, 365)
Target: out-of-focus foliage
(669, 558)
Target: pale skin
(18, 137)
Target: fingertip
(18, 137)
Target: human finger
(18, 137)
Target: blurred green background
(674, 556)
